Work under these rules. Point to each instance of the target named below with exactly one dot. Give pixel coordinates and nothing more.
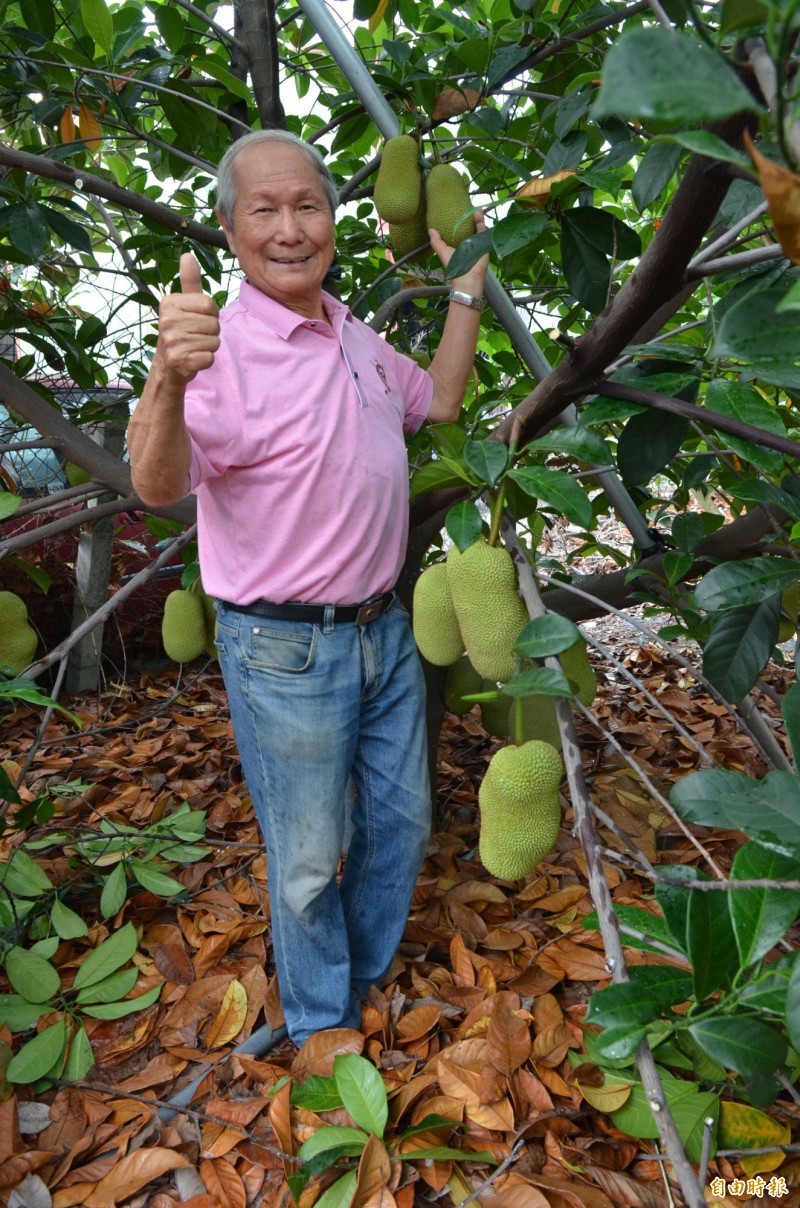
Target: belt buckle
(368, 612)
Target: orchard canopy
(636, 162)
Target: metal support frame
(382, 114)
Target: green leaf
(154, 881)
(760, 917)
(27, 228)
(688, 1106)
(674, 899)
(31, 976)
(117, 950)
(170, 25)
(80, 1058)
(38, 1056)
(437, 475)
(793, 1007)
(740, 646)
(619, 1042)
(115, 890)
(339, 1194)
(790, 708)
(703, 142)
(487, 459)
(656, 168)
(448, 439)
(518, 231)
(99, 23)
(736, 583)
(9, 504)
(66, 922)
(330, 1137)
(743, 14)
(696, 797)
(22, 877)
(541, 681)
(747, 1046)
(468, 252)
(648, 443)
(754, 331)
(558, 491)
(638, 919)
(550, 634)
(640, 71)
(738, 400)
(111, 988)
(73, 234)
(710, 943)
(20, 1014)
(624, 1005)
(768, 811)
(587, 270)
(767, 992)
(362, 1090)
(463, 524)
(580, 442)
(118, 1010)
(317, 1094)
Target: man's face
(282, 233)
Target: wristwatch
(456, 295)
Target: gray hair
(226, 175)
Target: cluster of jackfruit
(520, 809)
(790, 604)
(539, 712)
(412, 207)
(18, 639)
(470, 602)
(189, 624)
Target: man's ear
(228, 229)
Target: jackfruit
(577, 668)
(18, 639)
(495, 714)
(483, 585)
(790, 603)
(183, 628)
(539, 720)
(209, 616)
(520, 809)
(399, 181)
(448, 204)
(435, 624)
(406, 237)
(462, 680)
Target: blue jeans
(313, 705)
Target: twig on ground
(495, 1175)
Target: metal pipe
(256, 1045)
(384, 117)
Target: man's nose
(288, 226)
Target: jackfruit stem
(519, 721)
(498, 507)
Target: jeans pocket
(275, 649)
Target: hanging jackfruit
(209, 616)
(520, 809)
(435, 624)
(483, 586)
(75, 475)
(462, 680)
(539, 720)
(399, 181)
(448, 204)
(183, 628)
(406, 237)
(790, 603)
(495, 714)
(18, 640)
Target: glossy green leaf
(790, 708)
(118, 1010)
(362, 1090)
(38, 1057)
(740, 646)
(150, 878)
(31, 976)
(331, 1137)
(557, 490)
(27, 228)
(749, 1047)
(464, 524)
(689, 1108)
(339, 1194)
(696, 797)
(111, 988)
(637, 919)
(22, 877)
(487, 459)
(639, 76)
(437, 476)
(80, 1058)
(115, 890)
(768, 810)
(767, 993)
(703, 142)
(66, 922)
(710, 943)
(541, 681)
(753, 331)
(761, 917)
(99, 23)
(9, 504)
(580, 442)
(656, 169)
(734, 584)
(109, 956)
(647, 444)
(793, 1006)
(20, 1014)
(618, 1042)
(739, 400)
(317, 1094)
(468, 252)
(550, 634)
(743, 14)
(518, 231)
(587, 270)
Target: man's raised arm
(158, 440)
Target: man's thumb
(190, 275)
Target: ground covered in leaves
(481, 1019)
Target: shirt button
(312, 324)
(355, 375)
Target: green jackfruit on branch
(448, 204)
(406, 237)
(209, 615)
(462, 680)
(790, 603)
(520, 809)
(577, 668)
(183, 628)
(18, 640)
(435, 624)
(398, 185)
(483, 585)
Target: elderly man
(286, 416)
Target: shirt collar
(282, 320)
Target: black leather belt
(314, 614)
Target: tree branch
(260, 38)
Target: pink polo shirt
(298, 457)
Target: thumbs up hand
(188, 326)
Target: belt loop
(328, 623)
